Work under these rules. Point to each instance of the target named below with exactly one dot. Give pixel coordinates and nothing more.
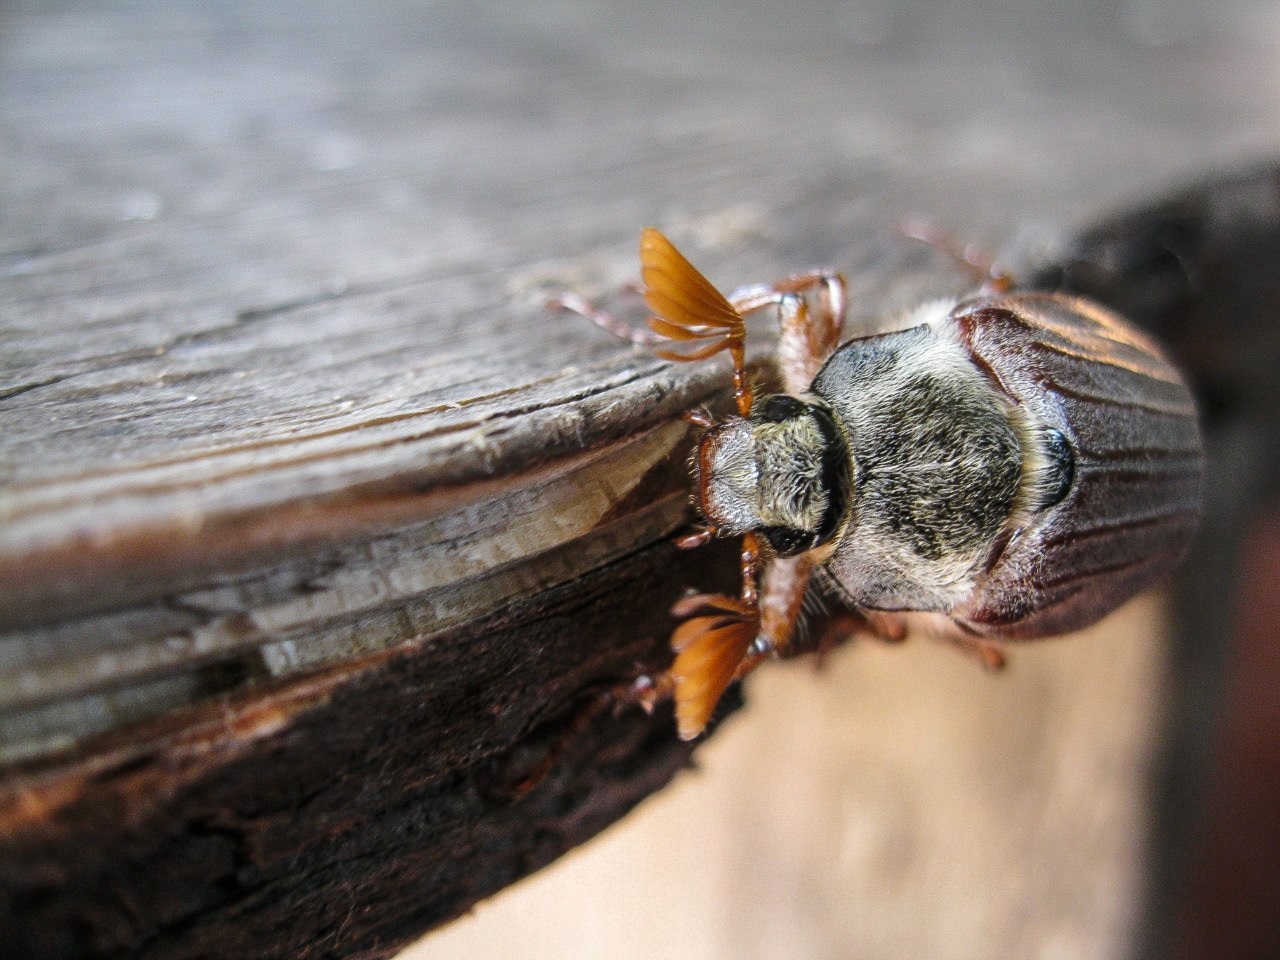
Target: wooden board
(309, 505)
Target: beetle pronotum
(1009, 466)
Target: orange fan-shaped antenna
(688, 307)
(710, 652)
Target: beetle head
(783, 473)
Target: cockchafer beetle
(1009, 466)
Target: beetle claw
(699, 538)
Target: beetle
(1008, 466)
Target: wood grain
(312, 515)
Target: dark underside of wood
(303, 819)
(323, 541)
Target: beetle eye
(787, 541)
(781, 407)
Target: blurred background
(898, 802)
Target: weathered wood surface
(315, 527)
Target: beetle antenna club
(688, 308)
(1009, 466)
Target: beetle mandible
(1008, 466)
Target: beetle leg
(645, 692)
(803, 346)
(842, 625)
(560, 744)
(979, 260)
(811, 325)
(887, 625)
(833, 288)
(988, 652)
(699, 417)
(893, 627)
(785, 583)
(699, 538)
(576, 303)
